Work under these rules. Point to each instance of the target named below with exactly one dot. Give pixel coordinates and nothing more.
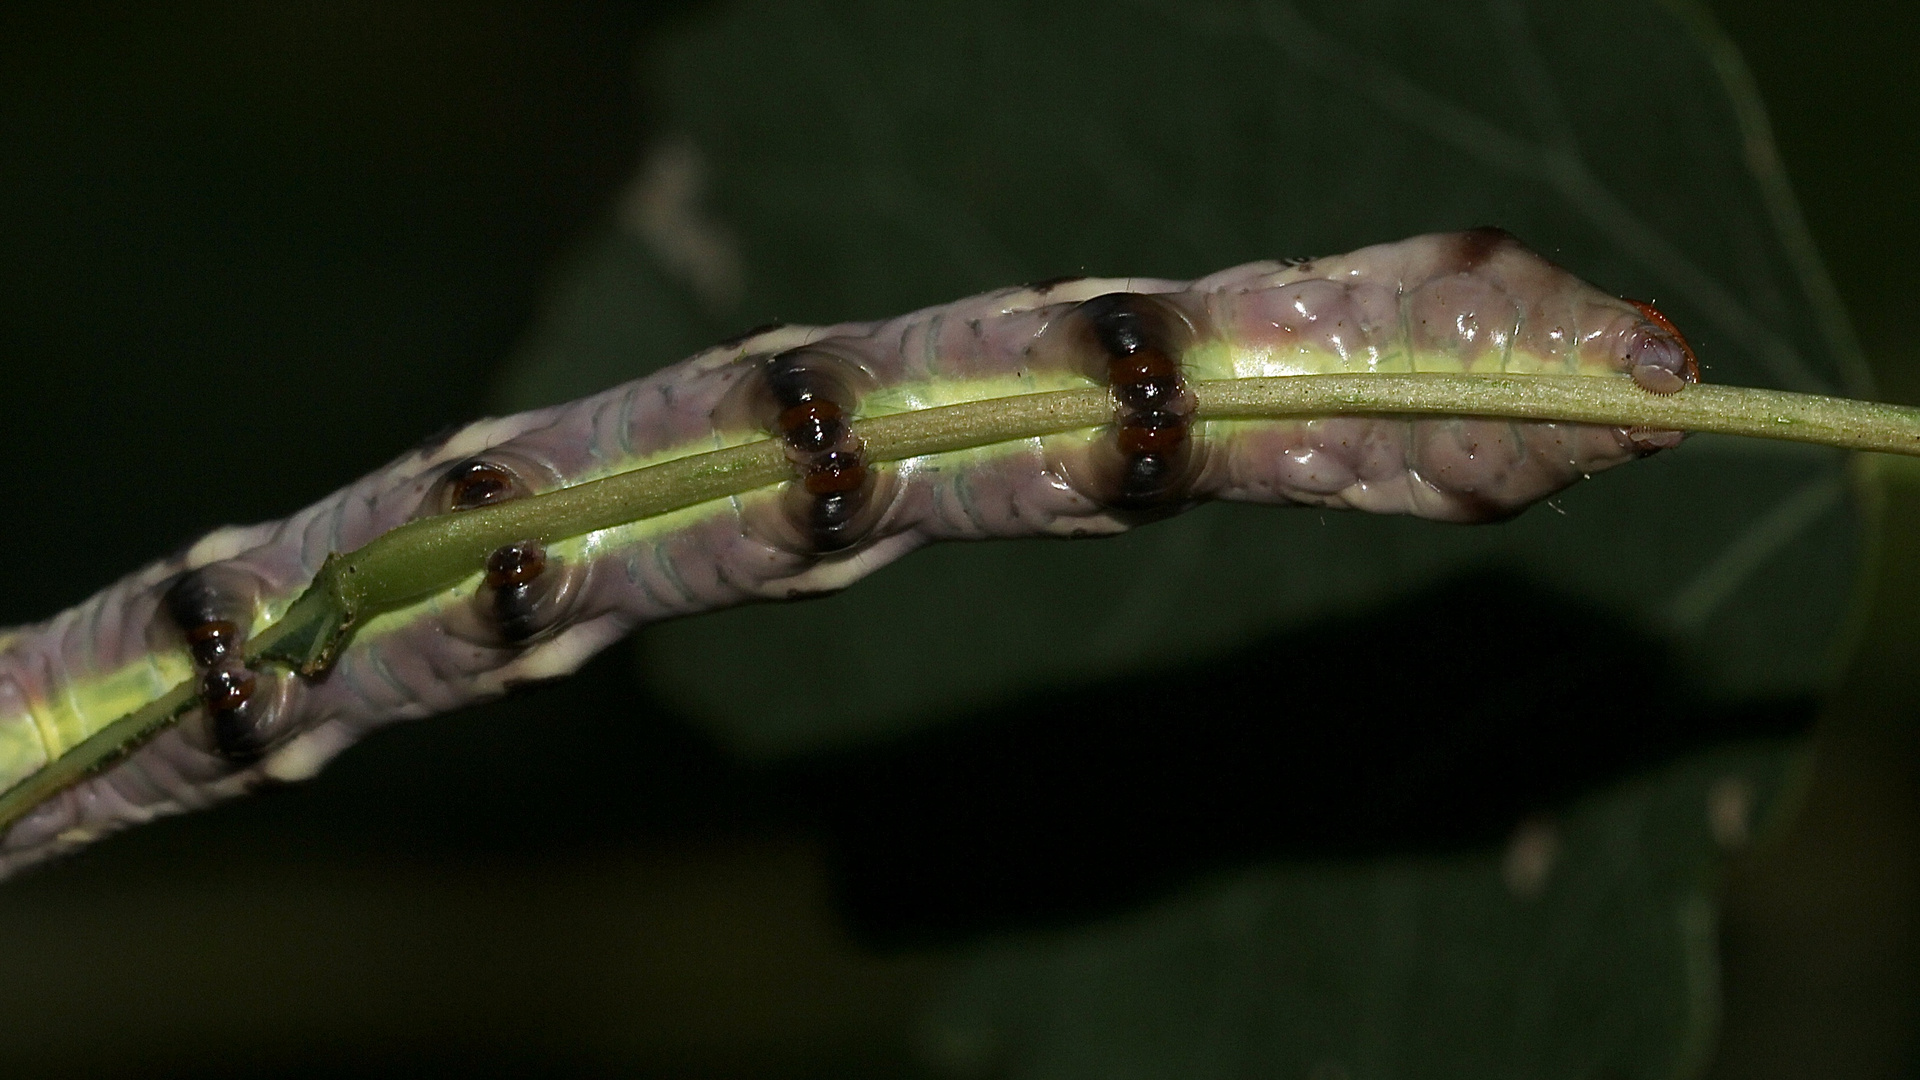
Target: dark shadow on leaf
(1431, 725)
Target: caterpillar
(258, 653)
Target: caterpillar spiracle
(260, 652)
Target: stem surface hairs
(1458, 377)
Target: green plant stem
(1726, 410)
(423, 557)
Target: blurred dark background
(249, 251)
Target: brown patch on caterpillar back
(1475, 246)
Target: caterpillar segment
(244, 709)
(154, 696)
(1149, 461)
(806, 397)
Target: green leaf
(1587, 947)
(846, 161)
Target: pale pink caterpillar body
(1474, 302)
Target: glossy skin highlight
(1466, 302)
